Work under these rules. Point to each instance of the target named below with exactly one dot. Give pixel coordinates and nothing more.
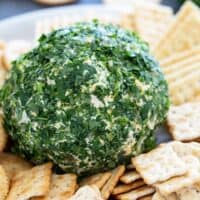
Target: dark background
(10, 8)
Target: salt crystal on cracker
(31, 183)
(184, 121)
(162, 160)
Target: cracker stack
(172, 179)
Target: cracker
(13, 50)
(179, 37)
(127, 187)
(182, 70)
(146, 198)
(177, 183)
(4, 184)
(3, 135)
(98, 179)
(146, 15)
(130, 166)
(87, 192)
(185, 88)
(184, 121)
(129, 177)
(62, 187)
(180, 57)
(162, 160)
(136, 194)
(158, 196)
(13, 164)
(186, 149)
(31, 183)
(112, 182)
(192, 193)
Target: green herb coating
(88, 97)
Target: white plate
(23, 26)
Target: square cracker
(191, 193)
(31, 183)
(177, 183)
(179, 37)
(136, 194)
(13, 164)
(121, 188)
(98, 179)
(180, 57)
(129, 177)
(4, 184)
(112, 182)
(185, 88)
(146, 15)
(163, 160)
(184, 121)
(62, 187)
(186, 149)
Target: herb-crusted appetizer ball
(87, 98)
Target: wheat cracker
(62, 187)
(136, 194)
(31, 183)
(4, 184)
(129, 177)
(112, 182)
(122, 188)
(98, 179)
(13, 164)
